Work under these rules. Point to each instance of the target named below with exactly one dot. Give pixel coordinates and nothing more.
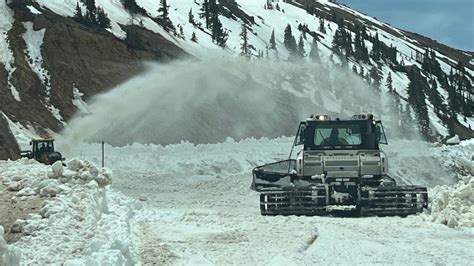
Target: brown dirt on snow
(11, 210)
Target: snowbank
(31, 178)
(82, 221)
(454, 206)
(8, 255)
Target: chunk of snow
(78, 101)
(57, 168)
(453, 140)
(8, 255)
(27, 191)
(34, 11)
(454, 206)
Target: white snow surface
(6, 55)
(34, 42)
(82, 220)
(33, 10)
(22, 134)
(196, 208)
(78, 101)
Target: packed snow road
(198, 209)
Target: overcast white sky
(448, 21)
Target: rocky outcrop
(8, 147)
(75, 56)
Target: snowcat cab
(339, 169)
(42, 150)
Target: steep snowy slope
(319, 19)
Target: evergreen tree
(103, 20)
(94, 16)
(374, 78)
(163, 16)
(354, 69)
(90, 5)
(78, 14)
(244, 48)
(407, 122)
(219, 35)
(376, 49)
(342, 41)
(360, 50)
(431, 65)
(394, 107)
(133, 7)
(272, 40)
(191, 17)
(454, 100)
(348, 44)
(389, 82)
(90, 17)
(269, 5)
(416, 97)
(322, 29)
(362, 73)
(300, 49)
(289, 41)
(194, 38)
(133, 40)
(337, 41)
(314, 53)
(434, 97)
(205, 13)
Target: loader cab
(361, 132)
(42, 150)
(42, 146)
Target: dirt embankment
(74, 56)
(8, 147)
(12, 208)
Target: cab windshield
(337, 135)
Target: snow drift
(208, 101)
(81, 222)
(454, 206)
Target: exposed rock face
(89, 59)
(8, 147)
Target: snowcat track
(381, 201)
(393, 201)
(296, 202)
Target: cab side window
(380, 133)
(301, 135)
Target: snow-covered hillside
(265, 20)
(320, 20)
(191, 204)
(182, 137)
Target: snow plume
(208, 101)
